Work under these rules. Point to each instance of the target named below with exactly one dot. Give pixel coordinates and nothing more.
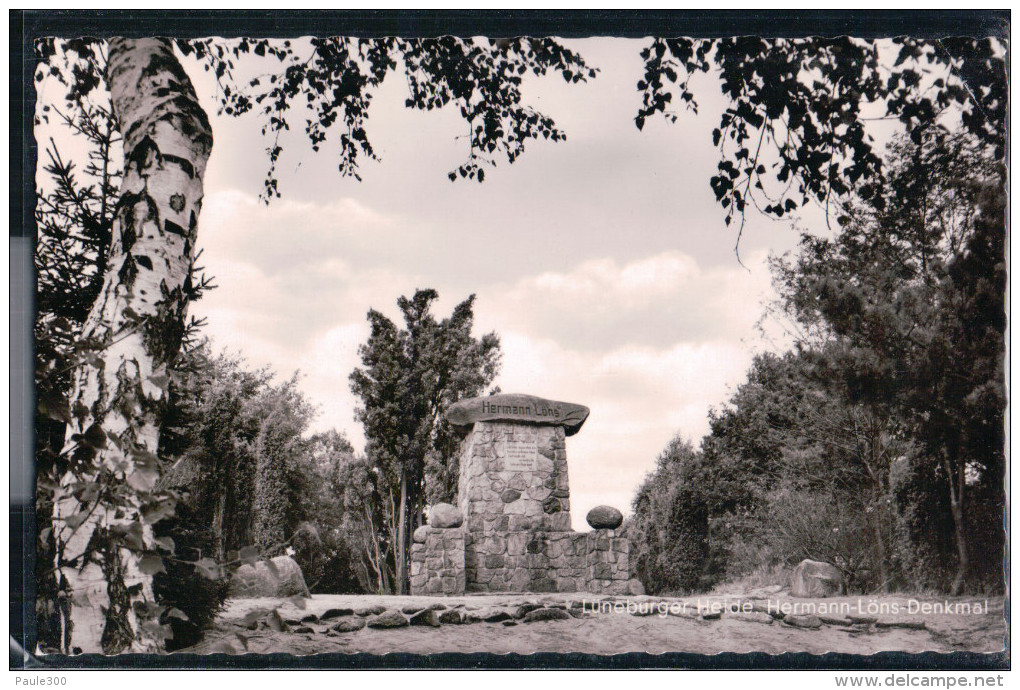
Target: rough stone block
(559, 522)
(543, 585)
(538, 493)
(516, 543)
(537, 561)
(493, 543)
(518, 507)
(509, 495)
(519, 579)
(474, 558)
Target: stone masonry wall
(437, 564)
(608, 562)
(496, 498)
(535, 561)
(514, 493)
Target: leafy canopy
(795, 129)
(335, 77)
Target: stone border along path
(562, 623)
(336, 621)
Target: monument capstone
(514, 494)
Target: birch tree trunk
(105, 546)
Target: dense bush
(669, 530)
(200, 598)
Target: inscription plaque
(519, 455)
(514, 407)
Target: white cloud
(656, 300)
(290, 235)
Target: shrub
(182, 587)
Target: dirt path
(668, 625)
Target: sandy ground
(605, 633)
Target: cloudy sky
(602, 262)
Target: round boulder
(605, 517)
(419, 534)
(445, 516)
(278, 577)
(815, 579)
(635, 588)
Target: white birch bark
(138, 317)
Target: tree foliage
(669, 531)
(409, 376)
(360, 495)
(795, 128)
(335, 78)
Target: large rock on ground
(752, 617)
(281, 579)
(445, 516)
(453, 617)
(336, 613)
(427, 617)
(350, 624)
(546, 614)
(810, 622)
(815, 579)
(389, 619)
(605, 517)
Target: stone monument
(514, 494)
